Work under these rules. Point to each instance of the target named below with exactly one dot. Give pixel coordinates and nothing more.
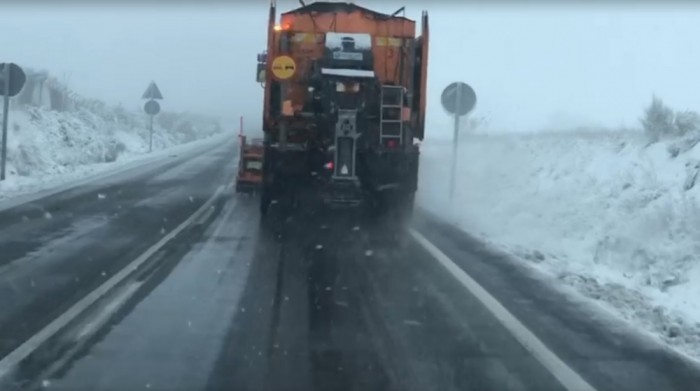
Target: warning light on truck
(279, 27)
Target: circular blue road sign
(151, 107)
(458, 98)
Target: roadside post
(12, 79)
(457, 99)
(152, 107)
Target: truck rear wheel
(406, 207)
(265, 201)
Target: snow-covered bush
(687, 122)
(658, 120)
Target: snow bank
(606, 213)
(46, 146)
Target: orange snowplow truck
(344, 107)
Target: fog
(532, 68)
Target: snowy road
(300, 304)
(55, 250)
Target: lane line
(229, 209)
(29, 346)
(206, 215)
(129, 291)
(105, 313)
(571, 380)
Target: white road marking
(229, 208)
(23, 351)
(571, 380)
(108, 310)
(206, 215)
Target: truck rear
(344, 107)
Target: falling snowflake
(101, 196)
(318, 247)
(369, 253)
(47, 215)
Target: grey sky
(531, 68)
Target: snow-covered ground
(48, 148)
(605, 213)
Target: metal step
(391, 98)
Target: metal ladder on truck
(390, 116)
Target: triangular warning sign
(344, 170)
(152, 92)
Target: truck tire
(406, 207)
(265, 202)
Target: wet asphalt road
(308, 302)
(56, 250)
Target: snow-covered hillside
(609, 214)
(46, 145)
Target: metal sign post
(150, 138)
(458, 99)
(151, 108)
(11, 84)
(455, 143)
(5, 110)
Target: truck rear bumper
(247, 186)
(341, 194)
